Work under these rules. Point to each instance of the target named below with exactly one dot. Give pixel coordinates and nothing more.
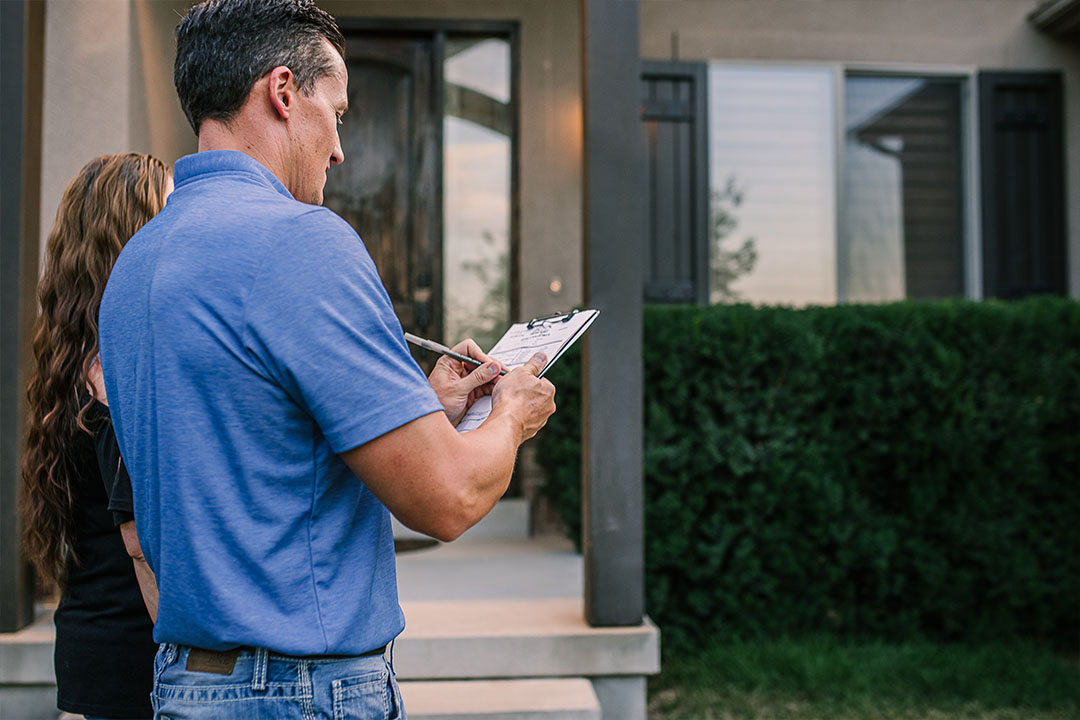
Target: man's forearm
(441, 483)
(486, 459)
(434, 480)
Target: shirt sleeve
(115, 476)
(320, 322)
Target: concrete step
(544, 699)
(509, 657)
(518, 638)
(443, 640)
(26, 656)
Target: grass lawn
(826, 678)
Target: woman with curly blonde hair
(78, 528)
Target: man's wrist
(515, 424)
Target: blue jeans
(261, 685)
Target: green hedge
(886, 471)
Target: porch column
(21, 36)
(614, 203)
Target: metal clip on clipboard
(556, 317)
(551, 334)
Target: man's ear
(282, 91)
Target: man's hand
(440, 482)
(530, 399)
(458, 385)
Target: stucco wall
(107, 89)
(156, 123)
(85, 92)
(908, 34)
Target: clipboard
(551, 334)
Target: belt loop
(390, 653)
(262, 658)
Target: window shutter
(1023, 184)
(673, 114)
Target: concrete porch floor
(491, 569)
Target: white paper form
(551, 336)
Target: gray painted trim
(701, 170)
(612, 418)
(840, 231)
(973, 262)
(16, 583)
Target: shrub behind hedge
(886, 471)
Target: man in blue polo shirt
(265, 401)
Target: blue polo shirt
(246, 340)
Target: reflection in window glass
(903, 212)
(477, 133)
(772, 185)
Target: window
(809, 206)
(772, 185)
(903, 189)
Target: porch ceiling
(1058, 17)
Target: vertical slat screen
(673, 117)
(1023, 184)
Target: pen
(443, 350)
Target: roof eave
(1058, 17)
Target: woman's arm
(143, 573)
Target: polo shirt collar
(194, 167)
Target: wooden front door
(389, 187)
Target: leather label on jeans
(221, 663)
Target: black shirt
(104, 653)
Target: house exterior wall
(108, 85)
(901, 34)
(107, 89)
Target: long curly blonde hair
(101, 208)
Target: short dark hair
(224, 46)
